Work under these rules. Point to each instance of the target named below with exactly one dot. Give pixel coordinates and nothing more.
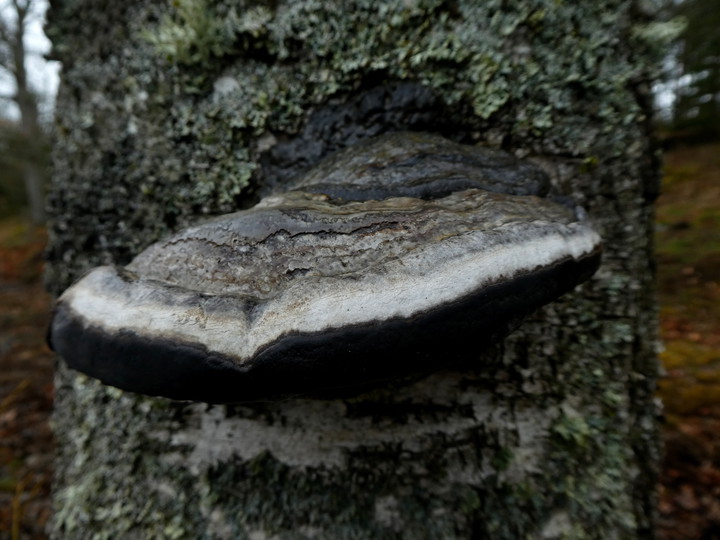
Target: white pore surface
(424, 279)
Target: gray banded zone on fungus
(397, 277)
(311, 290)
(221, 257)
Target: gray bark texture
(171, 111)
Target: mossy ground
(688, 256)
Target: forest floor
(688, 255)
(688, 258)
(26, 390)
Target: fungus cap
(316, 290)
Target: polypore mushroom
(387, 260)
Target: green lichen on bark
(165, 115)
(184, 129)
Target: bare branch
(4, 31)
(22, 7)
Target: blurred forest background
(687, 242)
(690, 106)
(24, 130)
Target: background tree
(697, 105)
(31, 141)
(12, 184)
(171, 111)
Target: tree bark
(166, 114)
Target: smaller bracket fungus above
(394, 257)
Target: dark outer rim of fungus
(324, 364)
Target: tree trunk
(35, 192)
(26, 101)
(33, 139)
(169, 113)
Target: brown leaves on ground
(688, 255)
(26, 392)
(690, 488)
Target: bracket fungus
(386, 260)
